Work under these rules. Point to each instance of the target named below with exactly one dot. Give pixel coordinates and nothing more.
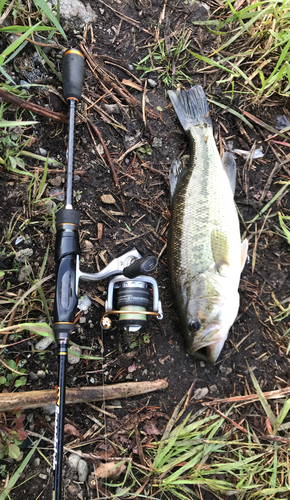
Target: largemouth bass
(205, 253)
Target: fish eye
(194, 326)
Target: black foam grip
(67, 216)
(73, 67)
(65, 301)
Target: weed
(14, 378)
(12, 434)
(259, 39)
(144, 151)
(25, 16)
(169, 61)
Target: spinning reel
(129, 292)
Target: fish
(204, 248)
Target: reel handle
(141, 267)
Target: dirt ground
(140, 217)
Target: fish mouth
(208, 346)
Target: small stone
(50, 409)
(101, 10)
(24, 273)
(42, 152)
(56, 181)
(83, 470)
(33, 376)
(202, 364)
(200, 393)
(130, 376)
(20, 458)
(83, 319)
(73, 490)
(152, 83)
(92, 380)
(57, 194)
(42, 476)
(84, 303)
(121, 492)
(46, 206)
(25, 84)
(213, 388)
(36, 462)
(23, 255)
(73, 359)
(157, 142)
(41, 374)
(73, 461)
(226, 370)
(43, 344)
(108, 198)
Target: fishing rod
(129, 291)
(67, 251)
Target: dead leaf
(110, 470)
(151, 429)
(70, 429)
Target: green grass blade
(50, 15)
(270, 203)
(44, 56)
(11, 48)
(211, 62)
(13, 480)
(262, 398)
(232, 111)
(8, 77)
(4, 124)
(22, 29)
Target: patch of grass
(217, 452)
(169, 58)
(253, 57)
(25, 16)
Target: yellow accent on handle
(74, 51)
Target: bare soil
(141, 216)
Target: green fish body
(205, 254)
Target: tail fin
(191, 107)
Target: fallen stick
(39, 399)
(250, 398)
(34, 108)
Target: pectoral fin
(230, 168)
(220, 251)
(244, 253)
(177, 170)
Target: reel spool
(129, 292)
(131, 300)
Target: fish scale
(205, 256)
(204, 201)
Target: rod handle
(73, 67)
